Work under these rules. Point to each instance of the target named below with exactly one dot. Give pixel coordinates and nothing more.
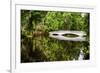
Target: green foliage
(36, 46)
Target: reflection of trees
(29, 53)
(46, 49)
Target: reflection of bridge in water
(60, 35)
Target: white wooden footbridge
(60, 33)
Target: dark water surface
(45, 48)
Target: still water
(45, 48)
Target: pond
(43, 48)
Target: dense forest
(37, 46)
